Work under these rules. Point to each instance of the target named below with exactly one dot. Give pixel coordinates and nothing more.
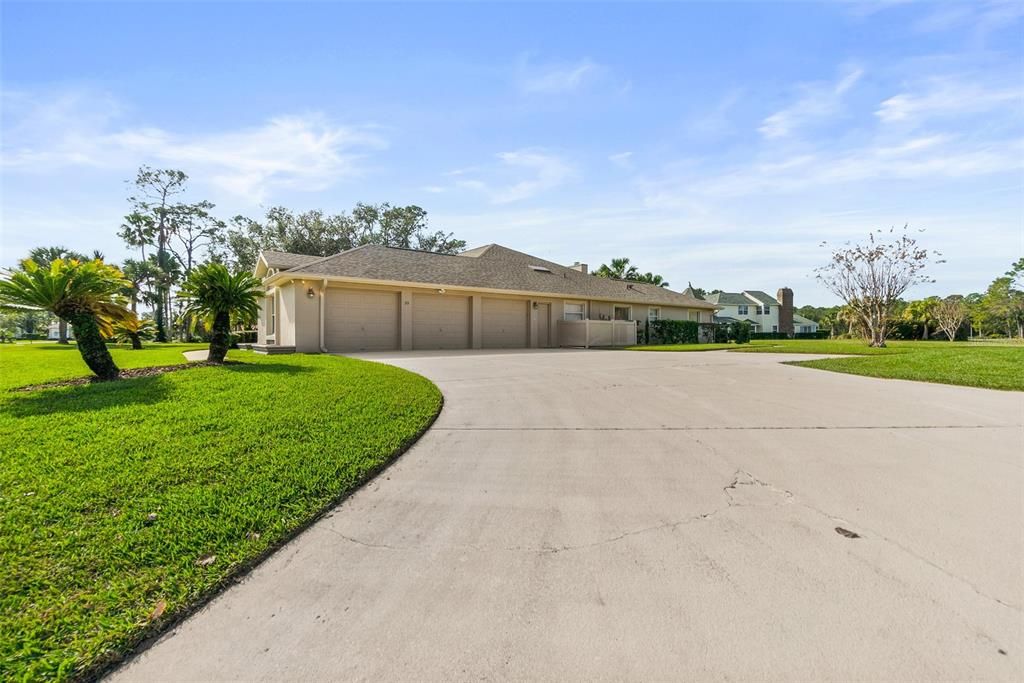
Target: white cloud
(622, 160)
(948, 96)
(928, 157)
(818, 100)
(304, 151)
(556, 78)
(546, 171)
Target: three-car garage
(371, 320)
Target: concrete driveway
(598, 515)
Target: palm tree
(137, 273)
(44, 256)
(86, 294)
(618, 270)
(652, 279)
(217, 296)
(133, 329)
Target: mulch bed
(124, 374)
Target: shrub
(674, 332)
(739, 332)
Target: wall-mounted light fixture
(441, 291)
(535, 306)
(310, 293)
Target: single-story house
(375, 298)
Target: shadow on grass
(268, 368)
(93, 397)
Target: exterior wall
(286, 315)
(764, 322)
(298, 315)
(307, 317)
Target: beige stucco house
(375, 298)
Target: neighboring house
(765, 312)
(375, 298)
(53, 331)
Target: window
(574, 311)
(741, 310)
(271, 314)
(653, 313)
(775, 328)
(622, 313)
(764, 310)
(540, 269)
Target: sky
(713, 143)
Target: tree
(212, 293)
(44, 256)
(84, 293)
(132, 330)
(193, 230)
(922, 312)
(176, 231)
(950, 314)
(138, 274)
(315, 233)
(652, 279)
(619, 269)
(870, 278)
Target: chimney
(579, 267)
(785, 297)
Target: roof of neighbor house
(741, 298)
(489, 267)
(800, 320)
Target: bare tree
(950, 314)
(870, 278)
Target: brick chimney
(785, 297)
(580, 267)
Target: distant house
(53, 331)
(765, 312)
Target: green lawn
(122, 504)
(22, 364)
(990, 365)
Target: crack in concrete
(732, 492)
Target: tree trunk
(136, 341)
(62, 332)
(220, 337)
(158, 315)
(925, 336)
(92, 347)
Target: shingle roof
(747, 296)
(763, 297)
(489, 267)
(282, 260)
(797, 318)
(728, 299)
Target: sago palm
(83, 293)
(133, 329)
(218, 297)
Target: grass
(124, 504)
(23, 364)
(990, 366)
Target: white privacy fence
(587, 333)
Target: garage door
(360, 320)
(504, 324)
(440, 321)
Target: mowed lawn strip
(123, 503)
(23, 364)
(974, 364)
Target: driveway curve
(597, 515)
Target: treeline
(174, 236)
(996, 312)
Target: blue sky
(714, 143)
